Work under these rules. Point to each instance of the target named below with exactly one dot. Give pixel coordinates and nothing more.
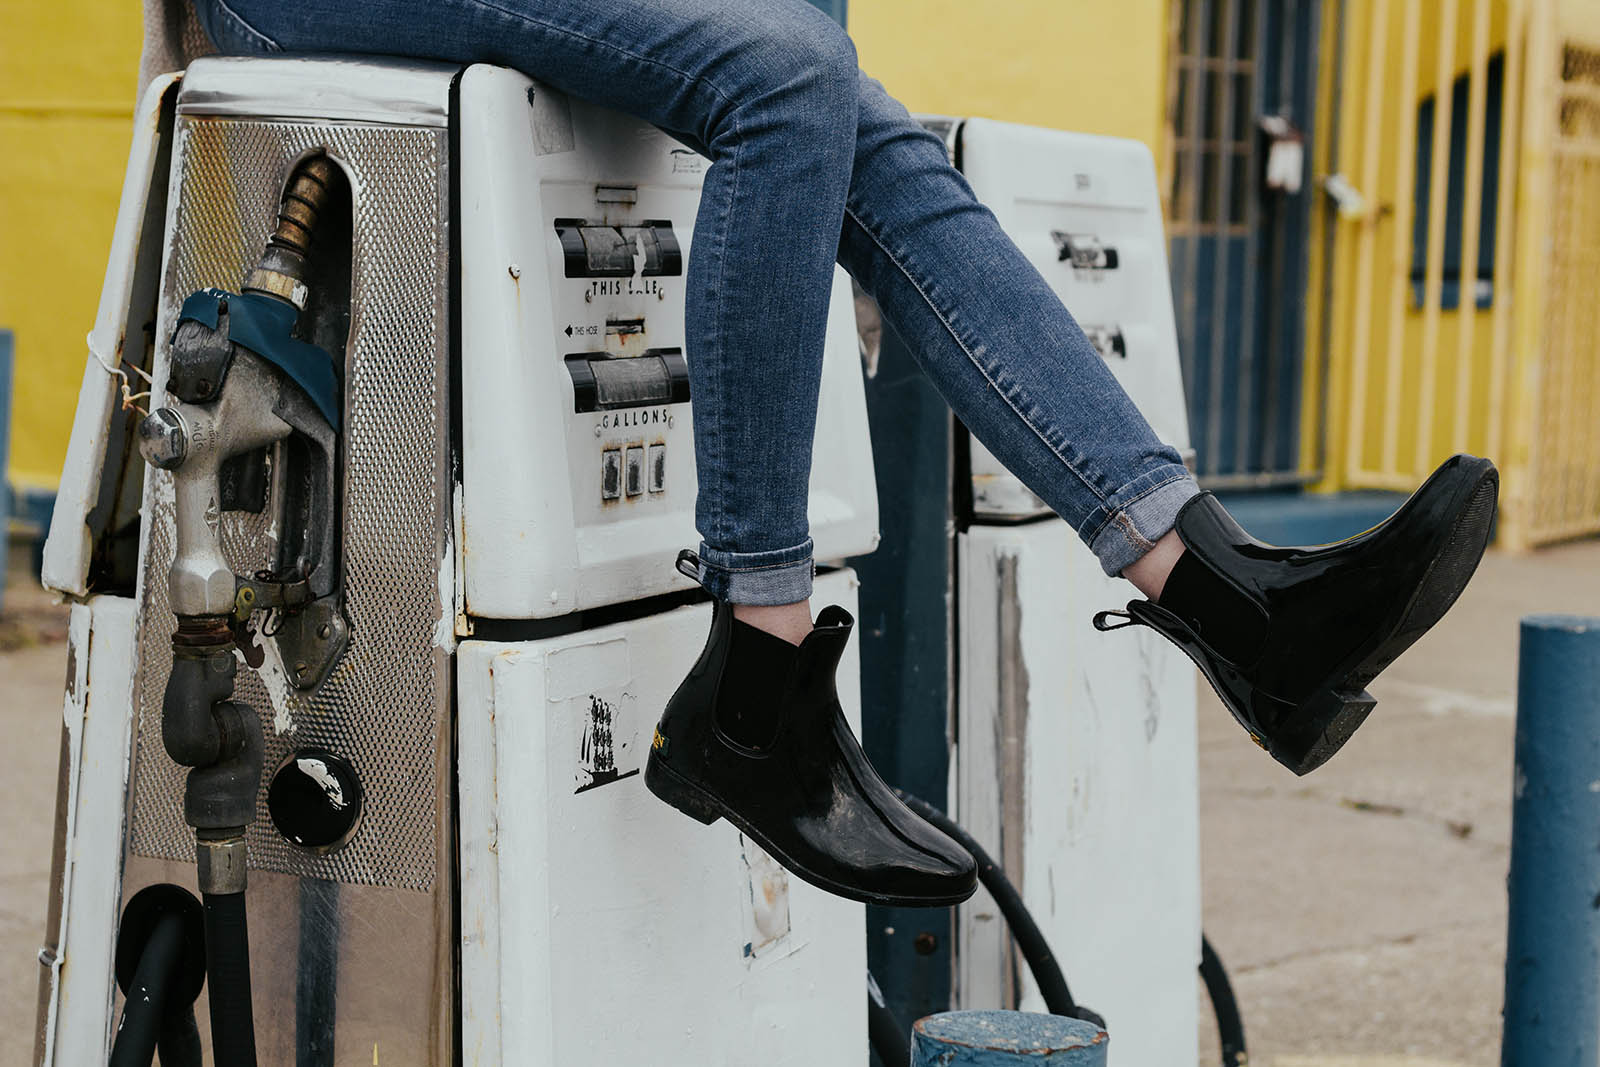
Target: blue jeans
(812, 161)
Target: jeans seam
(978, 366)
(1119, 513)
(241, 26)
(723, 222)
(608, 45)
(726, 569)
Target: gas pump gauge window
(603, 382)
(1108, 341)
(592, 249)
(1085, 251)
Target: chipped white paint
(768, 925)
(67, 550)
(275, 679)
(458, 594)
(444, 630)
(97, 713)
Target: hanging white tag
(1285, 164)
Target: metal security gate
(1242, 90)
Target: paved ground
(1361, 910)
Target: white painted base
(600, 926)
(1098, 749)
(101, 662)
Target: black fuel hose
(1030, 939)
(1229, 1025)
(144, 1008)
(179, 1044)
(233, 1032)
(1042, 961)
(884, 1033)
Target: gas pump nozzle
(241, 383)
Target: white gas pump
(1075, 763)
(451, 840)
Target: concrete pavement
(1360, 911)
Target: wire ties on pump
(272, 625)
(129, 397)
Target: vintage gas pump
(403, 605)
(240, 384)
(1071, 761)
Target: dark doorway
(1244, 73)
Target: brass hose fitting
(281, 272)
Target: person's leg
(767, 89)
(1288, 637)
(998, 343)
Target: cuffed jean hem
(779, 576)
(1148, 512)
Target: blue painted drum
(1552, 1012)
(1006, 1039)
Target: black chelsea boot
(755, 734)
(1290, 637)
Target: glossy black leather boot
(755, 735)
(1290, 637)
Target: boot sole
(1334, 713)
(704, 807)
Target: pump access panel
(578, 477)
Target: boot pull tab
(689, 565)
(1103, 623)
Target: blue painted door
(1242, 68)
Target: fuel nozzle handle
(193, 440)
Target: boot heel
(669, 787)
(1331, 717)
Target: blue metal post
(1006, 1039)
(1552, 1013)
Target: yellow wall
(66, 98)
(1085, 65)
(1395, 440)
(67, 79)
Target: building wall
(1083, 65)
(66, 104)
(1389, 431)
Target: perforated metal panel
(385, 704)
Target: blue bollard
(1006, 1039)
(1552, 1013)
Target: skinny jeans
(812, 162)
